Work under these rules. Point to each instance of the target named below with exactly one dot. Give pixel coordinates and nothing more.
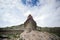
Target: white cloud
(11, 19)
(13, 12)
(27, 13)
(47, 14)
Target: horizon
(46, 13)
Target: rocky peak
(30, 24)
(29, 17)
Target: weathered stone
(36, 35)
(30, 24)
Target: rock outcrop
(30, 24)
(30, 32)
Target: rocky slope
(36, 35)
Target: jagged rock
(30, 24)
(30, 32)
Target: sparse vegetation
(16, 33)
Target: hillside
(55, 30)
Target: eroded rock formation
(30, 24)
(30, 32)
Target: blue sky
(15, 12)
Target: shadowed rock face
(30, 32)
(30, 24)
